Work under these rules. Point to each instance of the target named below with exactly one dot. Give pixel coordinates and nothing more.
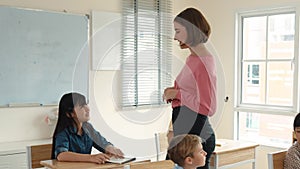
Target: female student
(193, 95)
(186, 151)
(292, 158)
(74, 137)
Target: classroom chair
(161, 143)
(37, 153)
(276, 159)
(294, 138)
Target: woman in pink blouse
(193, 95)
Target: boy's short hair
(183, 146)
(297, 121)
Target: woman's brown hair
(197, 27)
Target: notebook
(121, 160)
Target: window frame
(238, 105)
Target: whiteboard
(43, 55)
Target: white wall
(221, 15)
(28, 123)
(122, 128)
(133, 133)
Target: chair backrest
(164, 164)
(161, 143)
(37, 153)
(275, 159)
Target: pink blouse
(197, 85)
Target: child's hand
(99, 158)
(113, 151)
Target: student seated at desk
(74, 137)
(186, 151)
(292, 158)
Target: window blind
(146, 51)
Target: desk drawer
(228, 158)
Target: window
(266, 76)
(146, 51)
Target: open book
(121, 160)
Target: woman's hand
(113, 151)
(170, 94)
(100, 158)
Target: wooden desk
(233, 153)
(54, 164)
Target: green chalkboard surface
(42, 56)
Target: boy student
(186, 151)
(292, 158)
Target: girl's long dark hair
(65, 110)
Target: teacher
(193, 95)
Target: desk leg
(216, 162)
(253, 165)
(213, 162)
(254, 160)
